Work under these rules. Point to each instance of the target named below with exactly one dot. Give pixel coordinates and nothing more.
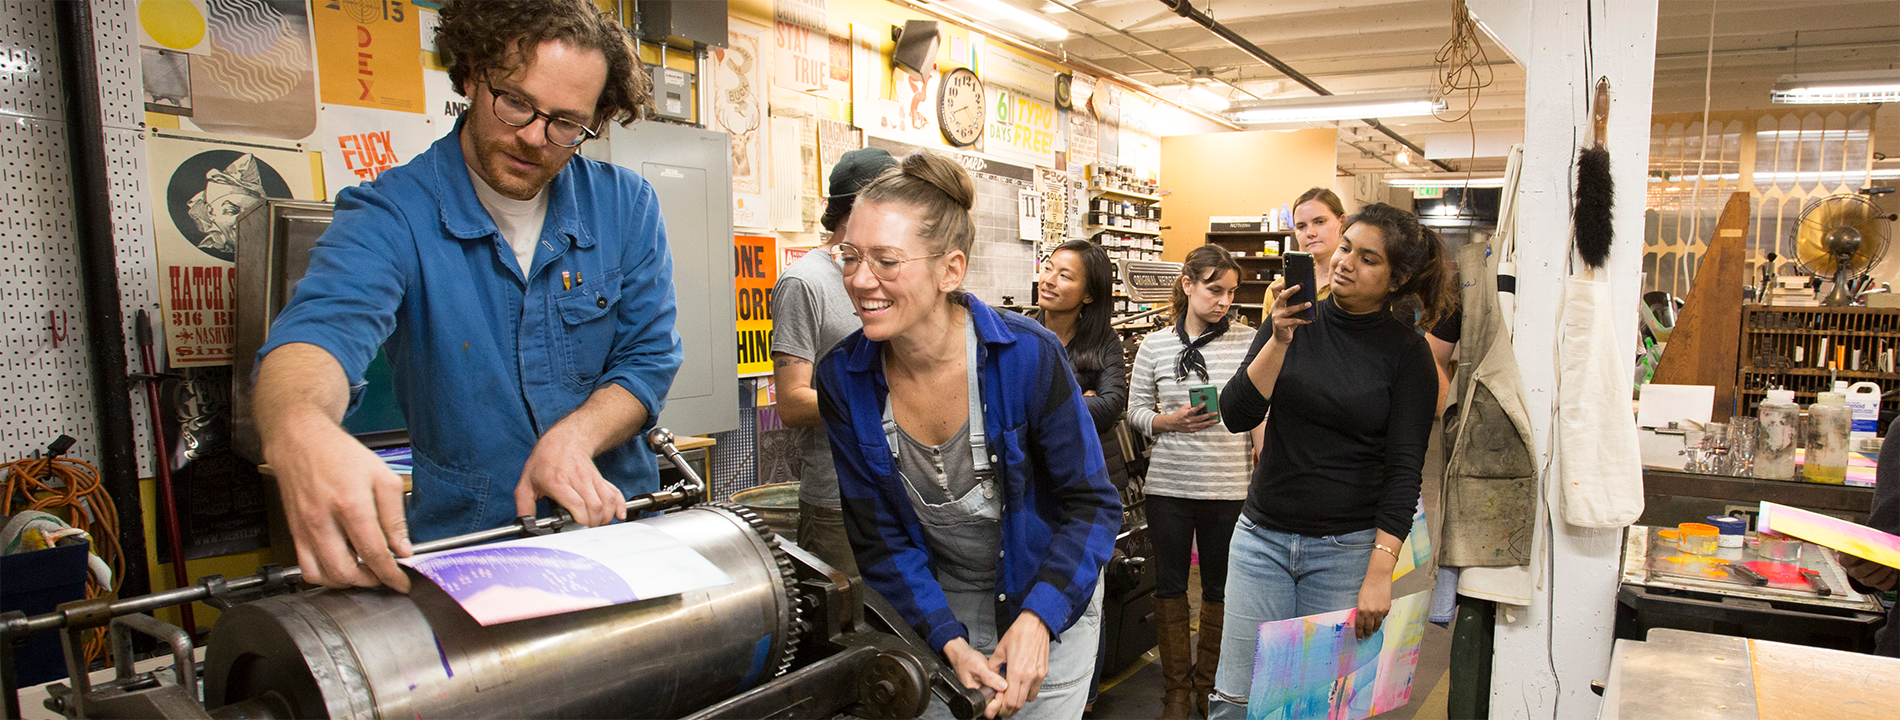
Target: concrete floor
(1137, 692)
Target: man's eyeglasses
(884, 263)
(516, 111)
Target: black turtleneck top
(1351, 416)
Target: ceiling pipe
(1186, 10)
(942, 13)
(1137, 58)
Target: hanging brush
(1596, 190)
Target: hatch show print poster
(207, 184)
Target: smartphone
(1207, 397)
(1299, 271)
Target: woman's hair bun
(944, 174)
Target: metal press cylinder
(381, 654)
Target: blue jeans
(1278, 576)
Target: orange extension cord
(71, 489)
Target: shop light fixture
(1037, 27)
(1842, 88)
(1766, 177)
(1446, 180)
(1200, 95)
(1333, 107)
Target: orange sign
(754, 272)
(369, 53)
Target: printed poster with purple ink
(564, 572)
(1314, 667)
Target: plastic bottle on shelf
(1829, 422)
(1775, 446)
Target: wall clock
(960, 107)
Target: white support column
(1548, 654)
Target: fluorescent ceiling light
(1333, 107)
(1038, 27)
(1448, 180)
(1766, 177)
(1200, 95)
(1845, 88)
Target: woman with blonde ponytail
(1352, 393)
(975, 494)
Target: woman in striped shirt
(1197, 476)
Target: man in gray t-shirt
(810, 313)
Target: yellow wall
(1236, 173)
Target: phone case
(1207, 396)
(1299, 271)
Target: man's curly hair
(477, 37)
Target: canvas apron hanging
(1490, 495)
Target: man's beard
(500, 171)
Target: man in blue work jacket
(524, 296)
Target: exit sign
(1427, 193)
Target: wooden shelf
(1821, 372)
(1107, 228)
(1842, 333)
(1124, 193)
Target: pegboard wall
(44, 369)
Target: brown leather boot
(1213, 614)
(1177, 658)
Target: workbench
(1651, 597)
(1687, 675)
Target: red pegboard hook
(57, 320)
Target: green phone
(1207, 397)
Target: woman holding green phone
(1197, 476)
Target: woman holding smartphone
(1197, 475)
(975, 496)
(1352, 395)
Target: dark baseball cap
(853, 171)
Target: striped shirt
(1212, 464)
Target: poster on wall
(167, 81)
(1021, 121)
(1107, 108)
(788, 174)
(754, 272)
(174, 25)
(804, 47)
(367, 53)
(204, 185)
(259, 77)
(913, 117)
(739, 94)
(834, 140)
(359, 143)
(1082, 126)
(445, 105)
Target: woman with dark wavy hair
(1353, 393)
